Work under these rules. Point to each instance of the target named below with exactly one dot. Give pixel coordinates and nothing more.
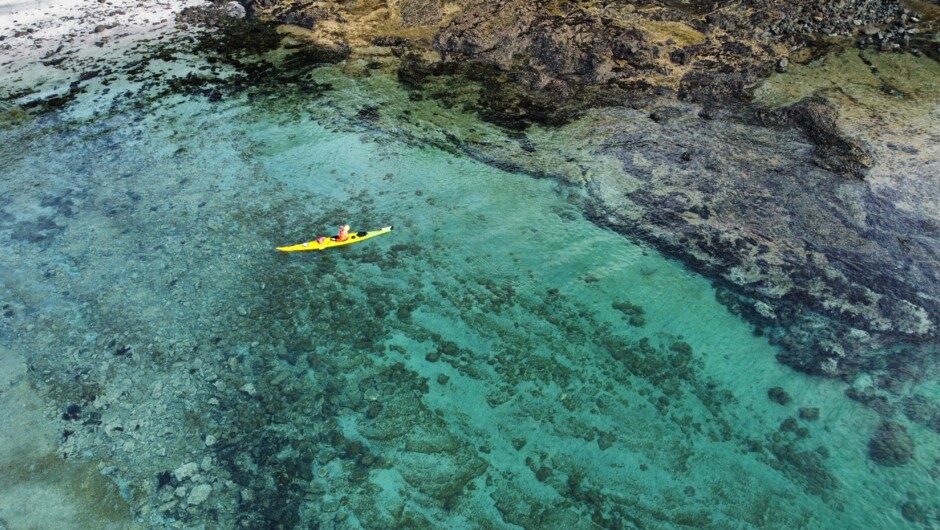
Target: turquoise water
(497, 361)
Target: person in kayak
(343, 233)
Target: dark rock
(40, 230)
(352, 449)
(369, 113)
(307, 17)
(871, 398)
(914, 512)
(890, 445)
(543, 474)
(164, 478)
(707, 114)
(373, 411)
(834, 150)
(805, 466)
(920, 409)
(420, 12)
(680, 56)
(605, 441)
(72, 412)
(662, 115)
(215, 15)
(54, 62)
(809, 413)
(779, 395)
(709, 87)
(754, 446)
(633, 313)
(94, 418)
(391, 41)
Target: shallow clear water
(496, 361)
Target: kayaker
(343, 233)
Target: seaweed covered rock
(891, 445)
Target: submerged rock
(890, 445)
(921, 409)
(185, 471)
(809, 413)
(199, 494)
(914, 512)
(779, 396)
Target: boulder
(199, 494)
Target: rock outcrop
(816, 117)
(546, 61)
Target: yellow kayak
(354, 237)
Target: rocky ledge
(548, 60)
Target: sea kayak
(354, 237)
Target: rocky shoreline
(546, 62)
